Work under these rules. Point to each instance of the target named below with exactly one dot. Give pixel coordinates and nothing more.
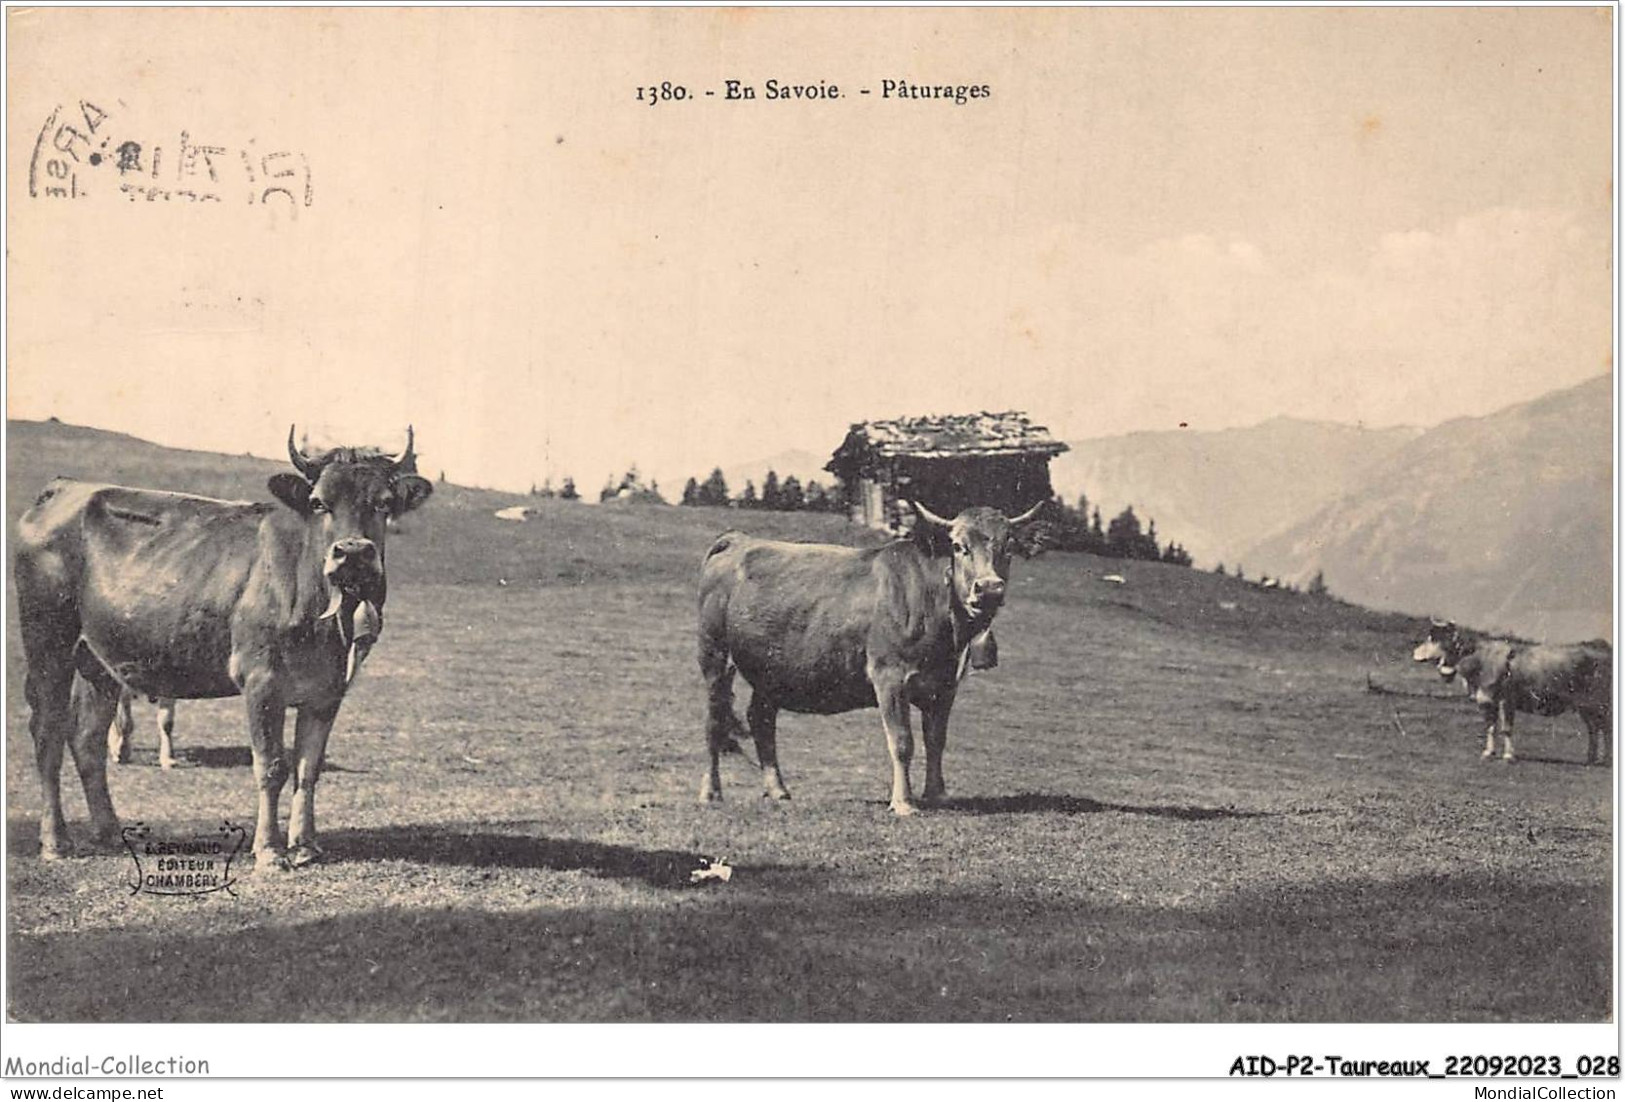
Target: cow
(1505, 677)
(118, 735)
(822, 629)
(171, 595)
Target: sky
(1201, 216)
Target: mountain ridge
(1503, 521)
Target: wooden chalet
(945, 463)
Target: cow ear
(411, 491)
(1030, 540)
(292, 490)
(1030, 533)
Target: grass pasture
(1175, 800)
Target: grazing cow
(1505, 677)
(118, 735)
(823, 629)
(170, 595)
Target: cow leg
(1598, 728)
(166, 734)
(267, 716)
(763, 716)
(1489, 717)
(94, 705)
(48, 688)
(122, 729)
(309, 748)
(1507, 715)
(900, 741)
(722, 723)
(934, 726)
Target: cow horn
(301, 461)
(335, 601)
(926, 514)
(405, 458)
(1030, 514)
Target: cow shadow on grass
(473, 846)
(195, 757)
(1567, 763)
(477, 846)
(1033, 803)
(214, 757)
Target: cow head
(981, 541)
(1443, 645)
(348, 495)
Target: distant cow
(520, 513)
(1505, 677)
(170, 595)
(118, 735)
(823, 629)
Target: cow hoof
(52, 851)
(300, 856)
(932, 798)
(710, 793)
(1508, 759)
(903, 808)
(270, 862)
(776, 794)
(1487, 754)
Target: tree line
(786, 496)
(1077, 527)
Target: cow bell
(352, 662)
(366, 622)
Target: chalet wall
(1010, 484)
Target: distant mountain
(1218, 493)
(805, 465)
(1503, 522)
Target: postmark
(197, 865)
(84, 151)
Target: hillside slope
(1219, 492)
(1503, 521)
(454, 539)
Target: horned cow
(170, 595)
(1505, 677)
(824, 629)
